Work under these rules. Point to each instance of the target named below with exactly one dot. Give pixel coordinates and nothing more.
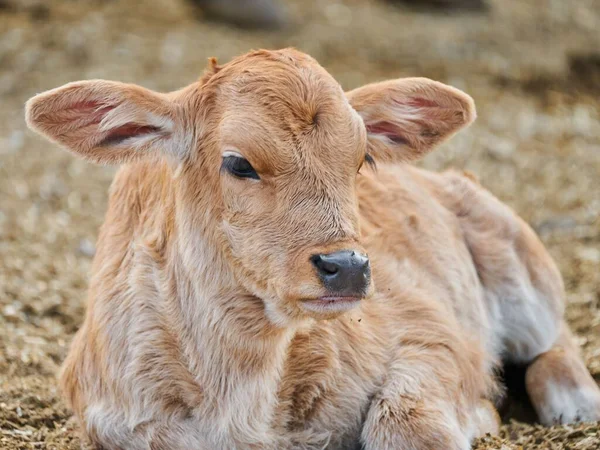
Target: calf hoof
(486, 419)
(561, 389)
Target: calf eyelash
(238, 166)
(369, 161)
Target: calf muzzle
(343, 273)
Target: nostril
(362, 261)
(326, 267)
(329, 268)
(345, 272)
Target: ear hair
(105, 121)
(407, 118)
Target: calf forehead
(291, 104)
(287, 82)
(340, 138)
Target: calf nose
(345, 272)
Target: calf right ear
(106, 121)
(408, 117)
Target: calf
(259, 284)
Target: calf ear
(105, 121)
(408, 117)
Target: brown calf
(232, 302)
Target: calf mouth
(330, 304)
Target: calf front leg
(432, 399)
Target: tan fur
(195, 335)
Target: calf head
(265, 152)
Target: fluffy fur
(195, 335)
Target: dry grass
(530, 66)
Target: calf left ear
(408, 117)
(106, 121)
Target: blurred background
(532, 66)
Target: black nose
(345, 272)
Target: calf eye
(239, 167)
(369, 161)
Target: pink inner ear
(389, 130)
(93, 111)
(419, 102)
(96, 111)
(129, 130)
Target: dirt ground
(533, 67)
